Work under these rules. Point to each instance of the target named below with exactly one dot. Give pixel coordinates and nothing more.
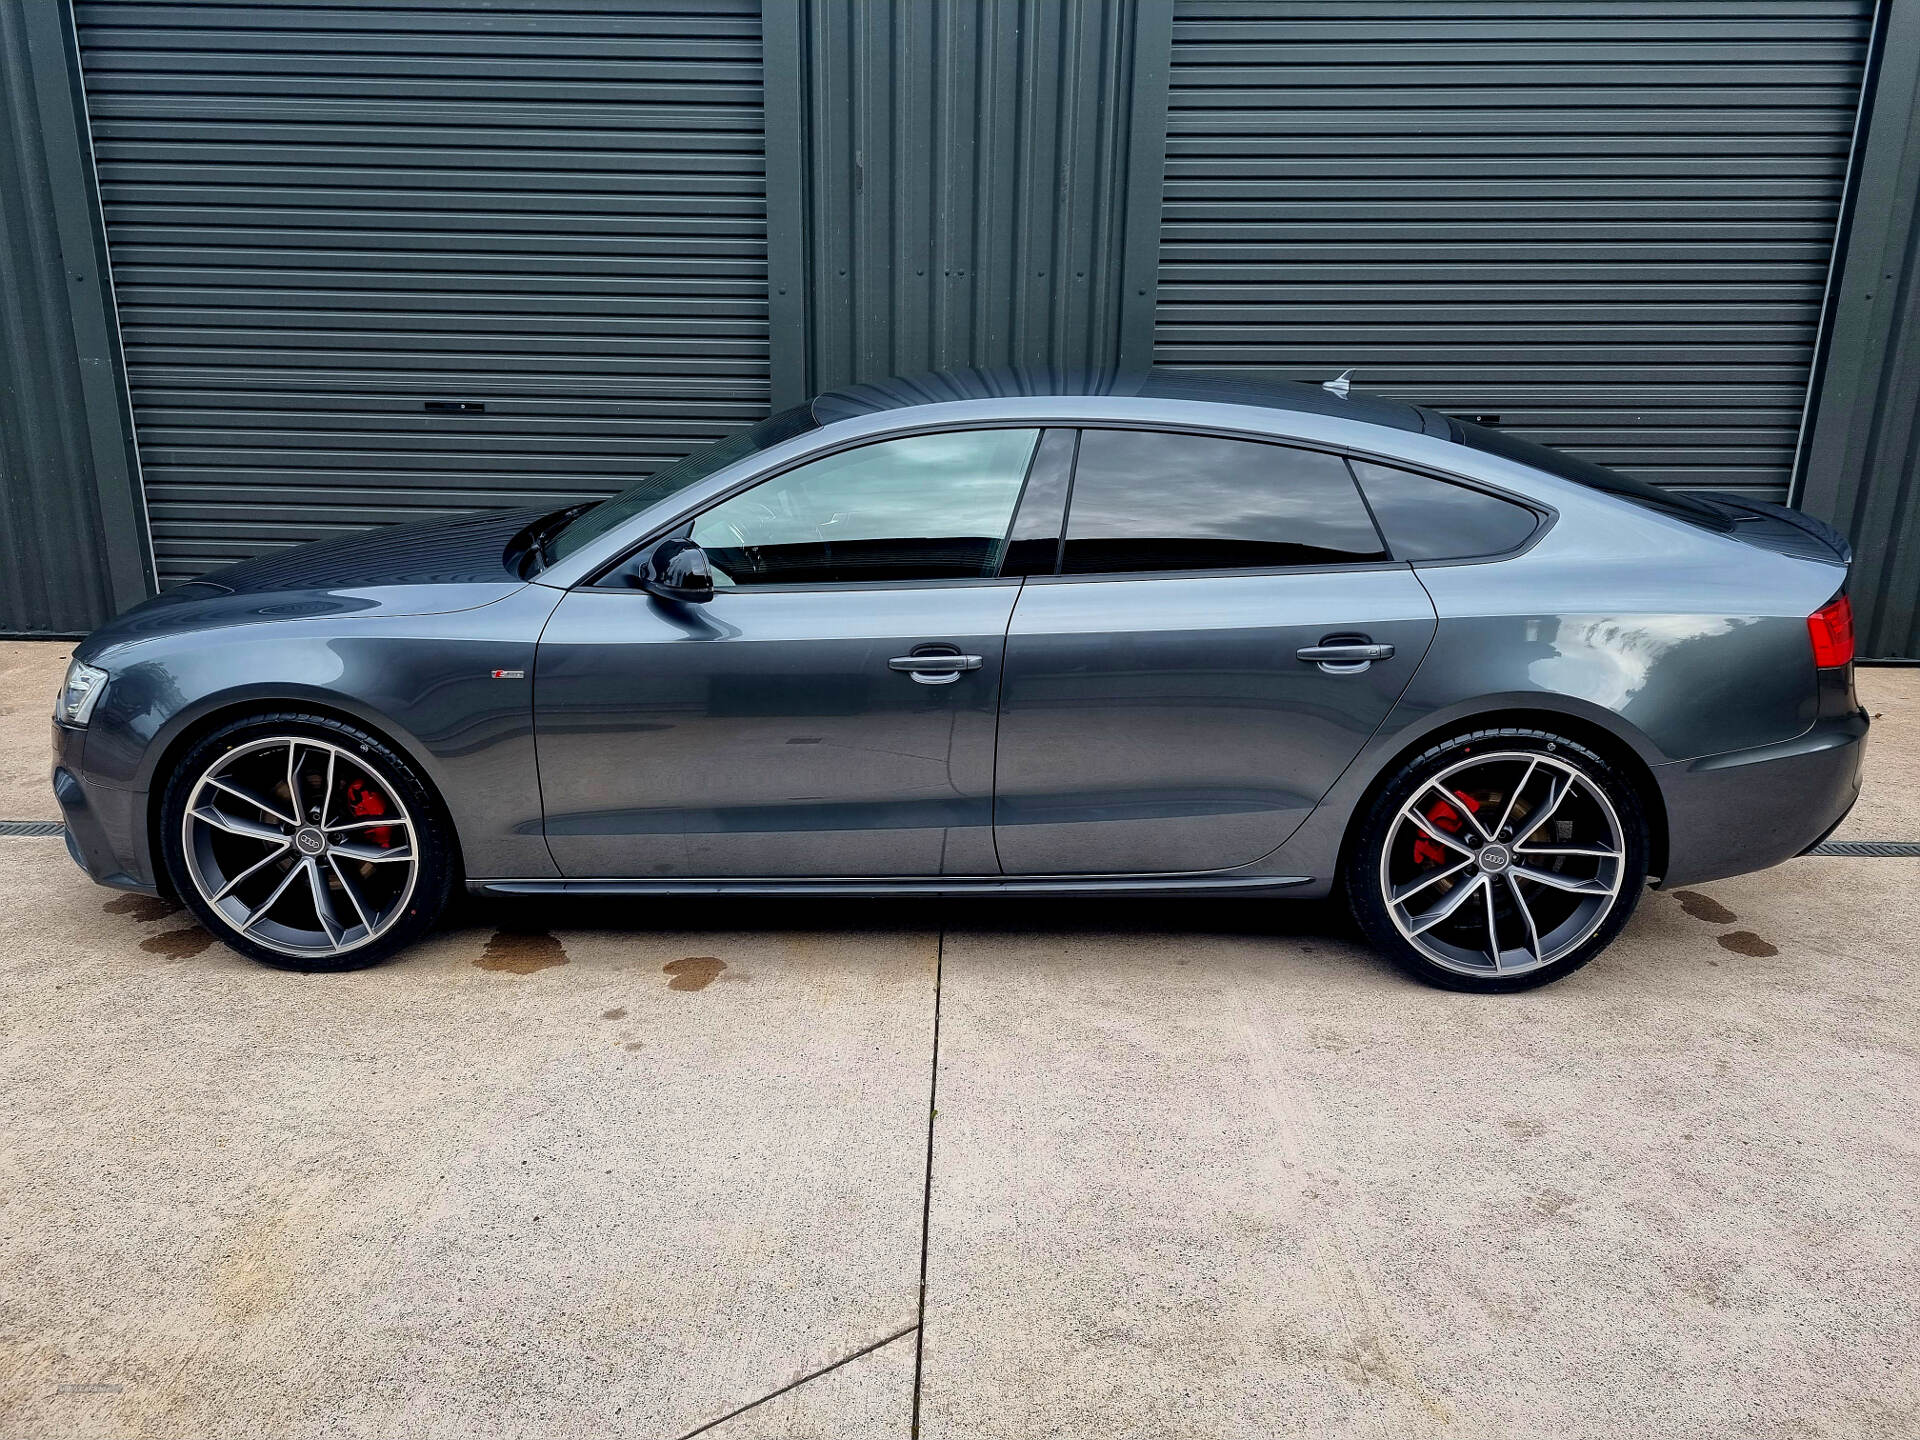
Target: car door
(1225, 633)
(830, 712)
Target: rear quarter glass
(1427, 519)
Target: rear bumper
(1749, 809)
(106, 826)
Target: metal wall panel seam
(785, 39)
(55, 580)
(1146, 178)
(1865, 431)
(109, 414)
(1830, 290)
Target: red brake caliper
(1442, 816)
(366, 804)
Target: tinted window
(707, 460)
(926, 507)
(1149, 501)
(1426, 519)
(1585, 472)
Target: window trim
(1550, 514)
(607, 584)
(1546, 515)
(1241, 572)
(597, 579)
(1387, 562)
(1068, 438)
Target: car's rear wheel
(1499, 860)
(305, 842)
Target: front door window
(923, 507)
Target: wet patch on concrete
(633, 1045)
(694, 972)
(141, 907)
(521, 952)
(618, 1013)
(178, 944)
(1704, 907)
(1745, 942)
(1550, 1202)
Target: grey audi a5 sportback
(992, 632)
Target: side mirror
(678, 570)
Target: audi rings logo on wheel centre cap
(310, 841)
(1494, 858)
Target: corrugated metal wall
(329, 219)
(959, 177)
(1863, 440)
(1606, 221)
(65, 481)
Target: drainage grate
(31, 827)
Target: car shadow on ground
(1012, 915)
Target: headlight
(79, 694)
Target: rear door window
(1428, 519)
(1155, 501)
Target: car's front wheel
(1499, 860)
(305, 842)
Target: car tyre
(261, 789)
(1549, 891)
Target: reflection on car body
(1000, 632)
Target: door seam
(1374, 735)
(999, 709)
(533, 726)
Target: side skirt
(943, 885)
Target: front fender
(426, 682)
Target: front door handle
(934, 669)
(1347, 657)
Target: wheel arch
(227, 710)
(1612, 746)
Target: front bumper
(106, 826)
(1749, 809)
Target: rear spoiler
(1757, 516)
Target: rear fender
(1316, 848)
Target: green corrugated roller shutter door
(329, 223)
(1607, 222)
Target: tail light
(1831, 628)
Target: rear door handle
(934, 669)
(1344, 658)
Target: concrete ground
(30, 676)
(1191, 1171)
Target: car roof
(1045, 382)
